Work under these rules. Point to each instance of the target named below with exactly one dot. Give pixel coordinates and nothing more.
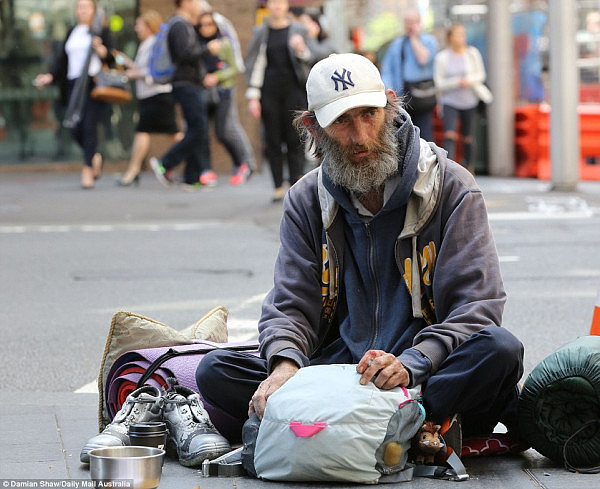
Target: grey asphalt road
(71, 258)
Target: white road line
(539, 216)
(90, 388)
(508, 259)
(103, 228)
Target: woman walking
(156, 106)
(459, 75)
(68, 68)
(277, 62)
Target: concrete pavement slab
(43, 434)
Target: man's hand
(389, 370)
(283, 371)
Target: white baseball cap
(342, 82)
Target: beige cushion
(130, 331)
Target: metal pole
(500, 112)
(337, 24)
(564, 95)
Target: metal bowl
(141, 465)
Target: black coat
(59, 68)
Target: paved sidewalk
(43, 434)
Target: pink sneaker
(240, 175)
(208, 178)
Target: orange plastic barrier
(596, 318)
(526, 140)
(532, 141)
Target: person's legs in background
(466, 130)
(424, 121)
(231, 134)
(272, 119)
(296, 155)
(194, 145)
(86, 136)
(449, 121)
(139, 150)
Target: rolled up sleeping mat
(559, 406)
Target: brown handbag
(111, 86)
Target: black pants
(278, 104)
(478, 379)
(194, 147)
(85, 133)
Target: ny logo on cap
(345, 79)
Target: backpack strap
(171, 352)
(227, 465)
(456, 471)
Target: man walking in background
(407, 68)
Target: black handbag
(112, 86)
(420, 95)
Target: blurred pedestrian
(318, 40)
(408, 62)
(459, 75)
(219, 82)
(277, 63)
(69, 66)
(155, 104)
(187, 53)
(226, 29)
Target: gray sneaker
(143, 404)
(190, 429)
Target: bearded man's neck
(372, 200)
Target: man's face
(361, 149)
(412, 24)
(358, 133)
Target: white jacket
(475, 73)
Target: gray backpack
(323, 426)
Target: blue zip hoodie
(435, 266)
(380, 302)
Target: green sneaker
(160, 172)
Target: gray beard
(367, 176)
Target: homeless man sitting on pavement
(386, 261)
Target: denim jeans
(194, 147)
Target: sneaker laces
(132, 416)
(175, 398)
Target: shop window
(31, 33)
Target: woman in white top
(155, 104)
(459, 75)
(68, 68)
